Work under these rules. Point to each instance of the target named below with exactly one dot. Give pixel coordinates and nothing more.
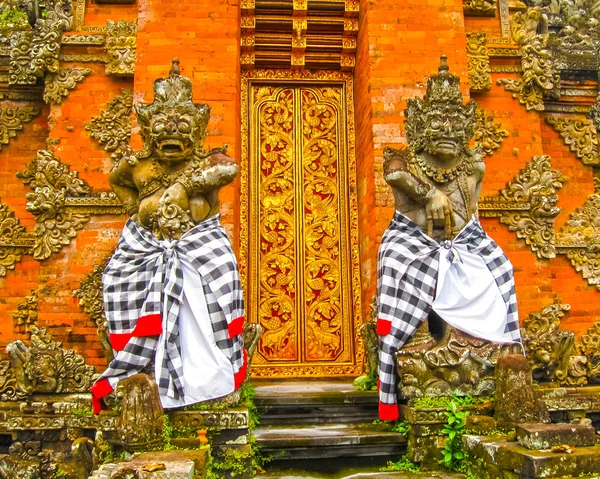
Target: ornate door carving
(301, 284)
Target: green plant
(452, 454)
(60, 473)
(404, 464)
(82, 411)
(367, 382)
(12, 16)
(401, 427)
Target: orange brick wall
(398, 49)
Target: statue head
(172, 126)
(440, 124)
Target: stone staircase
(322, 426)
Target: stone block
(480, 424)
(544, 436)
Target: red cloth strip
(240, 376)
(150, 325)
(99, 389)
(383, 327)
(236, 327)
(388, 412)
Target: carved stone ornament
(45, 367)
(580, 135)
(35, 52)
(479, 8)
(27, 313)
(528, 205)
(14, 240)
(480, 78)
(120, 48)
(12, 120)
(112, 128)
(52, 182)
(590, 348)
(59, 84)
(540, 78)
(547, 347)
(90, 299)
(579, 239)
(489, 134)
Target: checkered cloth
(143, 290)
(406, 286)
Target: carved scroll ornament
(12, 120)
(489, 134)
(59, 84)
(540, 78)
(579, 134)
(121, 48)
(480, 78)
(528, 205)
(479, 8)
(14, 240)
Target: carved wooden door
(300, 265)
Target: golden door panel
(300, 286)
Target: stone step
(314, 402)
(356, 473)
(329, 441)
(544, 436)
(508, 456)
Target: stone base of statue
(440, 360)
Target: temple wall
(397, 49)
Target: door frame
(296, 78)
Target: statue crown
(444, 87)
(173, 93)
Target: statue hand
(439, 213)
(176, 194)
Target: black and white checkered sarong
(143, 290)
(407, 277)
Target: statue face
(444, 134)
(173, 135)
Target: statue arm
(221, 171)
(121, 181)
(398, 176)
(480, 173)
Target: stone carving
(120, 47)
(370, 340)
(580, 240)
(479, 8)
(112, 128)
(14, 241)
(226, 419)
(52, 183)
(515, 398)
(252, 334)
(580, 135)
(59, 84)
(35, 52)
(590, 348)
(540, 77)
(548, 348)
(16, 468)
(480, 78)
(489, 135)
(528, 205)
(27, 313)
(45, 367)
(172, 183)
(594, 114)
(12, 120)
(90, 299)
(141, 424)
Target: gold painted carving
(540, 78)
(91, 40)
(14, 240)
(480, 79)
(307, 287)
(26, 314)
(479, 8)
(52, 182)
(528, 205)
(590, 348)
(121, 48)
(91, 301)
(59, 84)
(34, 52)
(83, 58)
(489, 135)
(12, 120)
(112, 128)
(579, 134)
